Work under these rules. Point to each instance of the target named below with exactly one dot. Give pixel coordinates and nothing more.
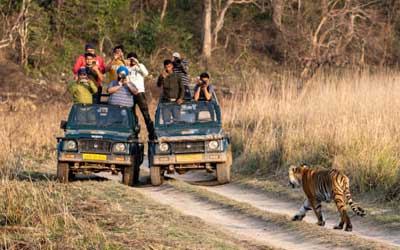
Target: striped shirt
(123, 96)
(181, 69)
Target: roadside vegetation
(347, 121)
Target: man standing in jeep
(173, 91)
(137, 73)
(171, 82)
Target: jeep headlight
(70, 145)
(164, 147)
(120, 148)
(213, 145)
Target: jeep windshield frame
(189, 113)
(100, 117)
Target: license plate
(189, 157)
(95, 157)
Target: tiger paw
(321, 223)
(297, 217)
(338, 227)
(348, 229)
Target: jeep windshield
(96, 116)
(200, 112)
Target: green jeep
(98, 138)
(190, 137)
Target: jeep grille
(94, 146)
(188, 147)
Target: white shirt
(137, 75)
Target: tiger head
(296, 175)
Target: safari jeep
(97, 138)
(190, 137)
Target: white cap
(176, 54)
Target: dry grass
(36, 212)
(348, 121)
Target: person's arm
(207, 94)
(132, 88)
(96, 70)
(101, 64)
(71, 88)
(181, 90)
(92, 87)
(160, 81)
(80, 62)
(112, 88)
(143, 70)
(196, 95)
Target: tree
(207, 42)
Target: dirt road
(260, 224)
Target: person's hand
(136, 61)
(179, 101)
(164, 74)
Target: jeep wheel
(155, 176)
(128, 176)
(63, 172)
(224, 169)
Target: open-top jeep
(190, 137)
(99, 138)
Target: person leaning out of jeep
(83, 88)
(122, 90)
(171, 83)
(203, 90)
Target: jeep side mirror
(63, 125)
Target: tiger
(323, 185)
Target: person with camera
(171, 83)
(83, 88)
(81, 60)
(203, 90)
(173, 91)
(121, 90)
(94, 73)
(117, 61)
(181, 67)
(137, 73)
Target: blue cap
(89, 46)
(82, 71)
(123, 69)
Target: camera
(123, 77)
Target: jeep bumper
(182, 159)
(96, 158)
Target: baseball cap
(177, 55)
(89, 46)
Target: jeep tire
(128, 175)
(63, 172)
(155, 176)
(224, 169)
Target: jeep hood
(98, 134)
(199, 131)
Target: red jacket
(80, 62)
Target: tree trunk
(277, 11)
(207, 40)
(219, 23)
(164, 10)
